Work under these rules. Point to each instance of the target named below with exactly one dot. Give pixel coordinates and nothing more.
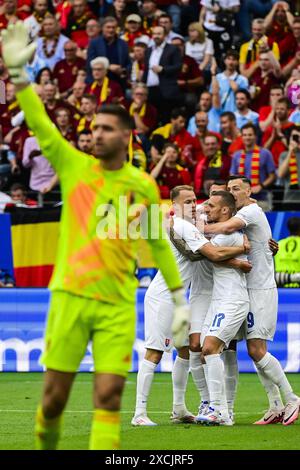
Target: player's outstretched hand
(16, 51)
(181, 319)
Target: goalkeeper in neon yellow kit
(93, 285)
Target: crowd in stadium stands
(213, 87)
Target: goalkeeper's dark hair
(120, 113)
(293, 225)
(227, 199)
(239, 177)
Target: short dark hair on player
(239, 177)
(177, 190)
(120, 113)
(227, 199)
(293, 224)
(249, 125)
(219, 182)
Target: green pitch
(20, 394)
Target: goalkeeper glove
(16, 51)
(181, 319)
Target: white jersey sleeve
(190, 234)
(258, 231)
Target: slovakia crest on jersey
(167, 342)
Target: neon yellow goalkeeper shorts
(73, 321)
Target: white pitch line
(122, 412)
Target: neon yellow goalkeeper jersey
(96, 258)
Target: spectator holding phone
(289, 171)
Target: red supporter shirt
(263, 87)
(171, 177)
(114, 93)
(150, 117)
(278, 146)
(189, 71)
(204, 172)
(283, 36)
(65, 73)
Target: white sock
(216, 382)
(206, 378)
(273, 392)
(180, 375)
(231, 373)
(197, 371)
(273, 371)
(144, 382)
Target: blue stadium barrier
(22, 320)
(6, 257)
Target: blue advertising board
(23, 314)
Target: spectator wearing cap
(50, 45)
(115, 49)
(162, 67)
(34, 22)
(150, 14)
(107, 91)
(65, 71)
(199, 47)
(249, 51)
(133, 30)
(243, 113)
(228, 82)
(79, 15)
(190, 79)
(143, 113)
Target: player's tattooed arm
(183, 247)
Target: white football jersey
(258, 231)
(195, 240)
(202, 280)
(229, 283)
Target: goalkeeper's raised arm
(16, 52)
